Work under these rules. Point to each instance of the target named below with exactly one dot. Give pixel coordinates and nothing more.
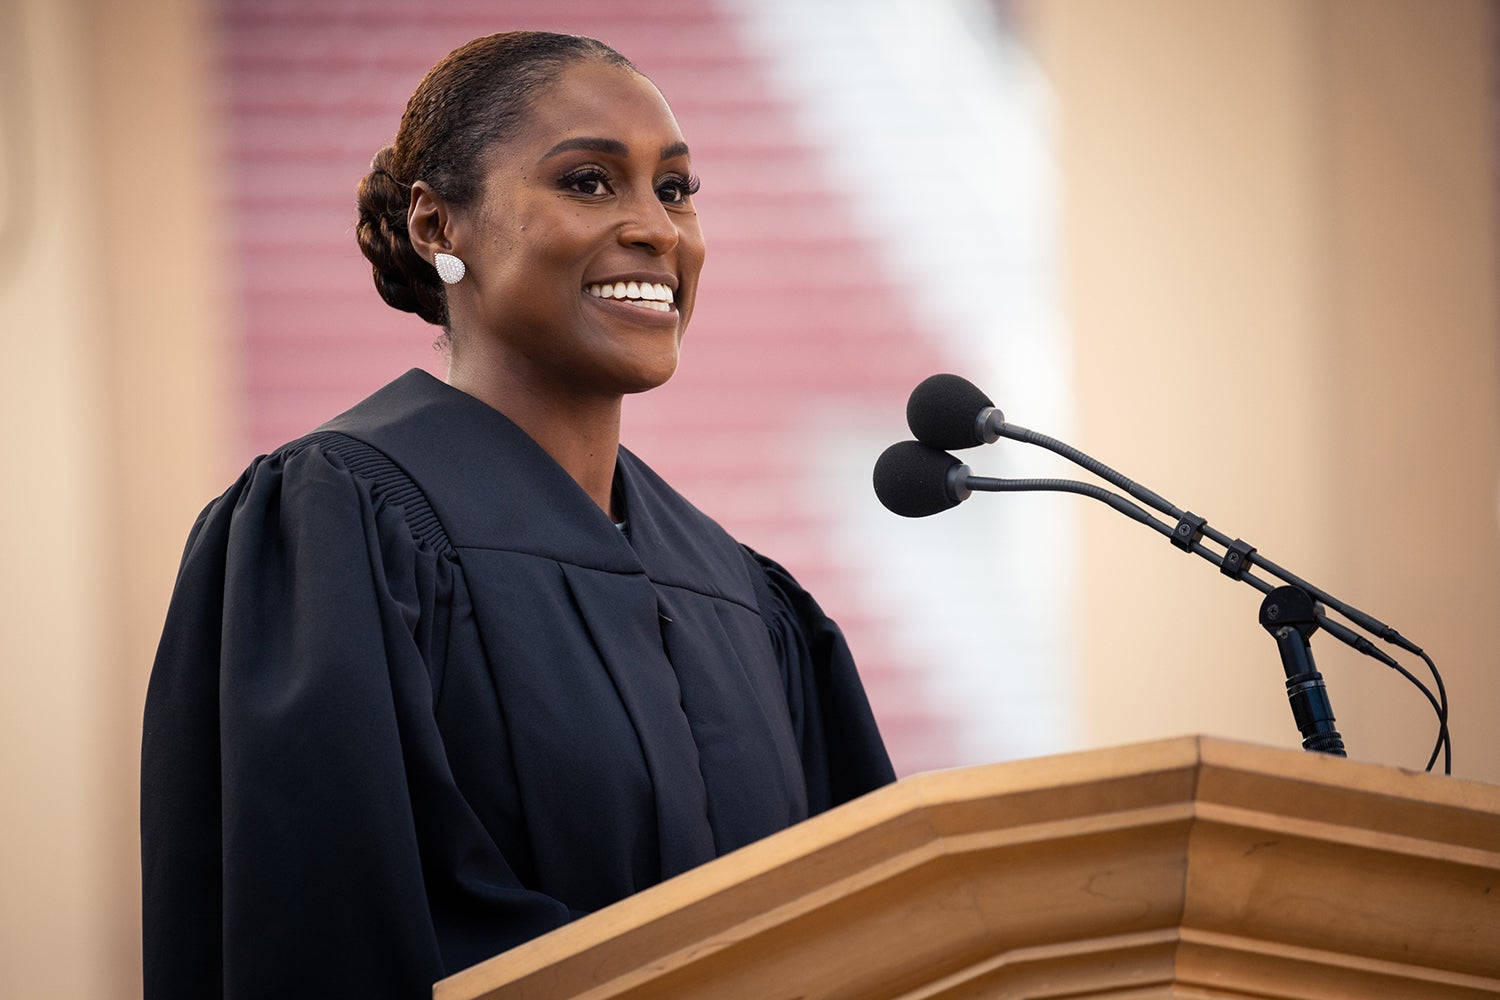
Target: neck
(580, 433)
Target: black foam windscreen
(911, 479)
(943, 411)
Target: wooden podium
(1193, 867)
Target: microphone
(950, 412)
(914, 480)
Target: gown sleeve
(843, 755)
(302, 833)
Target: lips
(646, 294)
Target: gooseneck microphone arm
(946, 411)
(1236, 562)
(1190, 524)
(957, 483)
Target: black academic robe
(418, 700)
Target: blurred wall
(111, 404)
(1281, 284)
(1281, 281)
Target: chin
(651, 381)
(650, 370)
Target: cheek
(691, 251)
(565, 242)
(534, 255)
(691, 233)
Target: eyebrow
(609, 147)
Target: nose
(649, 225)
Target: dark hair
(475, 97)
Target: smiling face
(584, 249)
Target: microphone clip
(1189, 531)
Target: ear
(429, 222)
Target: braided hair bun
(404, 279)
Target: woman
(457, 668)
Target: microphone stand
(1305, 688)
(1290, 615)
(1237, 560)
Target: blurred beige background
(1280, 278)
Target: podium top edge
(1216, 753)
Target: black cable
(1445, 739)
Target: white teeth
(654, 295)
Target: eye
(674, 190)
(587, 181)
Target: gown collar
(493, 487)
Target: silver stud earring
(449, 268)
